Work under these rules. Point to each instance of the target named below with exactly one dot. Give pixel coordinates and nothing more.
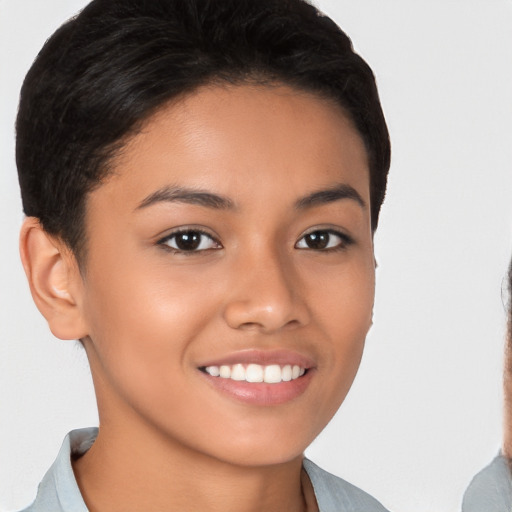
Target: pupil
(188, 241)
(318, 240)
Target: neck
(136, 470)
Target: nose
(265, 295)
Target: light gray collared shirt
(491, 489)
(59, 492)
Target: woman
(491, 489)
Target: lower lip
(261, 393)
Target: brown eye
(321, 240)
(190, 241)
(317, 240)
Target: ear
(54, 279)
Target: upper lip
(263, 357)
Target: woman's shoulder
(334, 494)
(58, 491)
(490, 489)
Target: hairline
(251, 79)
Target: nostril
(249, 326)
(292, 323)
(266, 306)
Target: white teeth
(238, 372)
(224, 371)
(271, 374)
(286, 373)
(254, 373)
(214, 371)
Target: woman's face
(507, 381)
(233, 238)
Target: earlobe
(54, 280)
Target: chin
(264, 449)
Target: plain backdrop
(424, 414)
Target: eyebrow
(175, 194)
(330, 195)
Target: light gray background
(424, 414)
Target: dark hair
(108, 69)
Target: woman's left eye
(323, 239)
(190, 241)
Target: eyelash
(344, 241)
(164, 242)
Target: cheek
(142, 327)
(343, 299)
(142, 319)
(343, 305)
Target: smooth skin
(507, 391)
(266, 264)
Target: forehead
(242, 141)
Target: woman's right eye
(189, 241)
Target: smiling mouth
(256, 373)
